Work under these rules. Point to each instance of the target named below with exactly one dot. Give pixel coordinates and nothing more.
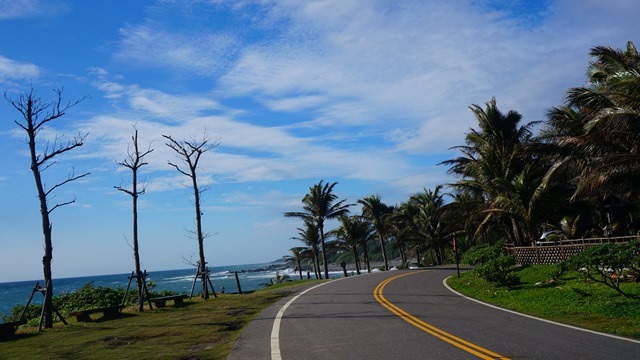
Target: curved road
(410, 315)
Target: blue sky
(371, 94)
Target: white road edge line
(275, 330)
(444, 282)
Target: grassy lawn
(566, 298)
(198, 330)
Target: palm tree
(378, 213)
(297, 255)
(429, 220)
(406, 230)
(594, 136)
(607, 139)
(319, 205)
(310, 236)
(352, 232)
(493, 157)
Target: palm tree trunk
(324, 252)
(316, 266)
(354, 250)
(366, 256)
(384, 251)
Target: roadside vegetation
(198, 330)
(564, 296)
(596, 289)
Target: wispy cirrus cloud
(17, 70)
(410, 70)
(16, 9)
(202, 53)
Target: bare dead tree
(189, 153)
(37, 114)
(134, 161)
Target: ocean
(251, 277)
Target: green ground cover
(198, 330)
(567, 298)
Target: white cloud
(410, 70)
(11, 9)
(205, 54)
(15, 9)
(16, 70)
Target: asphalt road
(413, 316)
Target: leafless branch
(54, 151)
(70, 178)
(134, 161)
(189, 261)
(123, 189)
(29, 104)
(62, 204)
(179, 170)
(127, 241)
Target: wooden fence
(558, 253)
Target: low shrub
(499, 270)
(608, 264)
(491, 264)
(480, 254)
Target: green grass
(566, 298)
(198, 330)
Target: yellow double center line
(440, 334)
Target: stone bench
(108, 312)
(178, 300)
(9, 329)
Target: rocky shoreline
(281, 266)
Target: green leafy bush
(491, 264)
(499, 270)
(481, 254)
(32, 312)
(608, 264)
(87, 297)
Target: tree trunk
(324, 252)
(384, 251)
(354, 250)
(316, 265)
(48, 278)
(46, 226)
(136, 253)
(366, 256)
(203, 264)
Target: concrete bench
(108, 312)
(9, 329)
(178, 300)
